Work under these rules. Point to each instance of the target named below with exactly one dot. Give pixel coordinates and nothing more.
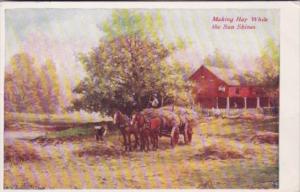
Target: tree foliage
(218, 60)
(29, 87)
(128, 67)
(267, 72)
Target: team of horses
(146, 131)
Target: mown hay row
(18, 151)
(223, 151)
(100, 149)
(265, 137)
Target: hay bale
(266, 137)
(18, 151)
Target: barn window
(221, 88)
(202, 77)
(237, 91)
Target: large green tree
(128, 66)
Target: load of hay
(265, 137)
(175, 113)
(18, 151)
(169, 115)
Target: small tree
(50, 87)
(30, 87)
(22, 85)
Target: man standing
(154, 102)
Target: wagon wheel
(174, 136)
(186, 137)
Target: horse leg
(155, 139)
(136, 140)
(157, 135)
(129, 141)
(152, 138)
(125, 142)
(147, 142)
(97, 137)
(143, 140)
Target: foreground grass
(87, 164)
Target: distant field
(221, 155)
(76, 117)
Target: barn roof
(229, 76)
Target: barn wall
(207, 90)
(207, 84)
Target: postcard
(150, 96)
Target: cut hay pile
(100, 149)
(220, 151)
(265, 137)
(18, 151)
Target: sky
(60, 34)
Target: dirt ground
(222, 154)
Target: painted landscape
(141, 99)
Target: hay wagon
(175, 125)
(174, 134)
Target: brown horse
(139, 122)
(122, 121)
(149, 130)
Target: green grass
(72, 132)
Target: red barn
(219, 88)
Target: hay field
(224, 153)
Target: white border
(289, 71)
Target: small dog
(101, 131)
